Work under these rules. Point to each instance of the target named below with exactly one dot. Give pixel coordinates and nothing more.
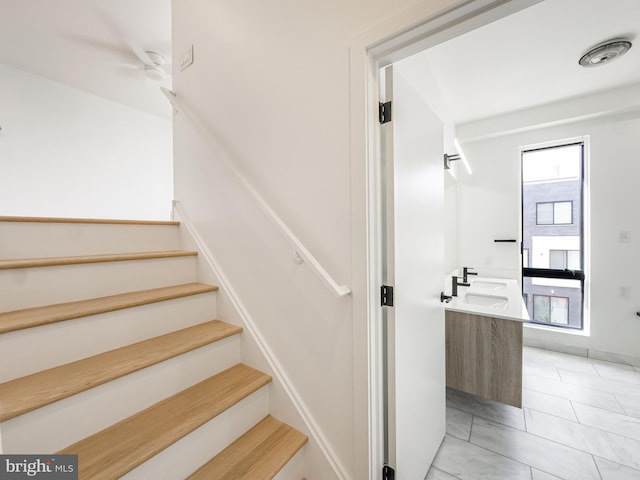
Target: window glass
(551, 164)
(574, 262)
(545, 214)
(553, 277)
(541, 308)
(548, 309)
(558, 259)
(562, 213)
(559, 310)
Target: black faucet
(466, 272)
(455, 285)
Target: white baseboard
(615, 357)
(632, 360)
(250, 328)
(555, 347)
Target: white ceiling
(529, 58)
(523, 60)
(87, 44)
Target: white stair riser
(60, 424)
(67, 421)
(33, 287)
(33, 239)
(294, 469)
(28, 351)
(187, 455)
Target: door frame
(418, 28)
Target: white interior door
(414, 223)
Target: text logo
(49, 467)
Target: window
(554, 213)
(553, 275)
(564, 259)
(548, 309)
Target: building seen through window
(552, 234)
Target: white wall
(451, 218)
(68, 153)
(490, 208)
(272, 82)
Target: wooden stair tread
(104, 221)
(82, 259)
(28, 393)
(37, 316)
(259, 454)
(120, 448)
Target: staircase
(110, 349)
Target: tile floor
(580, 421)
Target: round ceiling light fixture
(605, 52)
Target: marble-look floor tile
(471, 462)
(560, 460)
(538, 475)
(535, 355)
(630, 404)
(614, 471)
(605, 420)
(616, 371)
(599, 383)
(579, 412)
(573, 363)
(607, 445)
(559, 360)
(459, 423)
(543, 402)
(498, 412)
(437, 474)
(577, 393)
(546, 371)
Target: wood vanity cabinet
(484, 356)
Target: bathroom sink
(492, 301)
(489, 285)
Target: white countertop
(492, 297)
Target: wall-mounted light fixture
(450, 158)
(457, 156)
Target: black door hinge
(388, 473)
(384, 112)
(386, 296)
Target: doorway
(377, 55)
(412, 191)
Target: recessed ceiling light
(605, 53)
